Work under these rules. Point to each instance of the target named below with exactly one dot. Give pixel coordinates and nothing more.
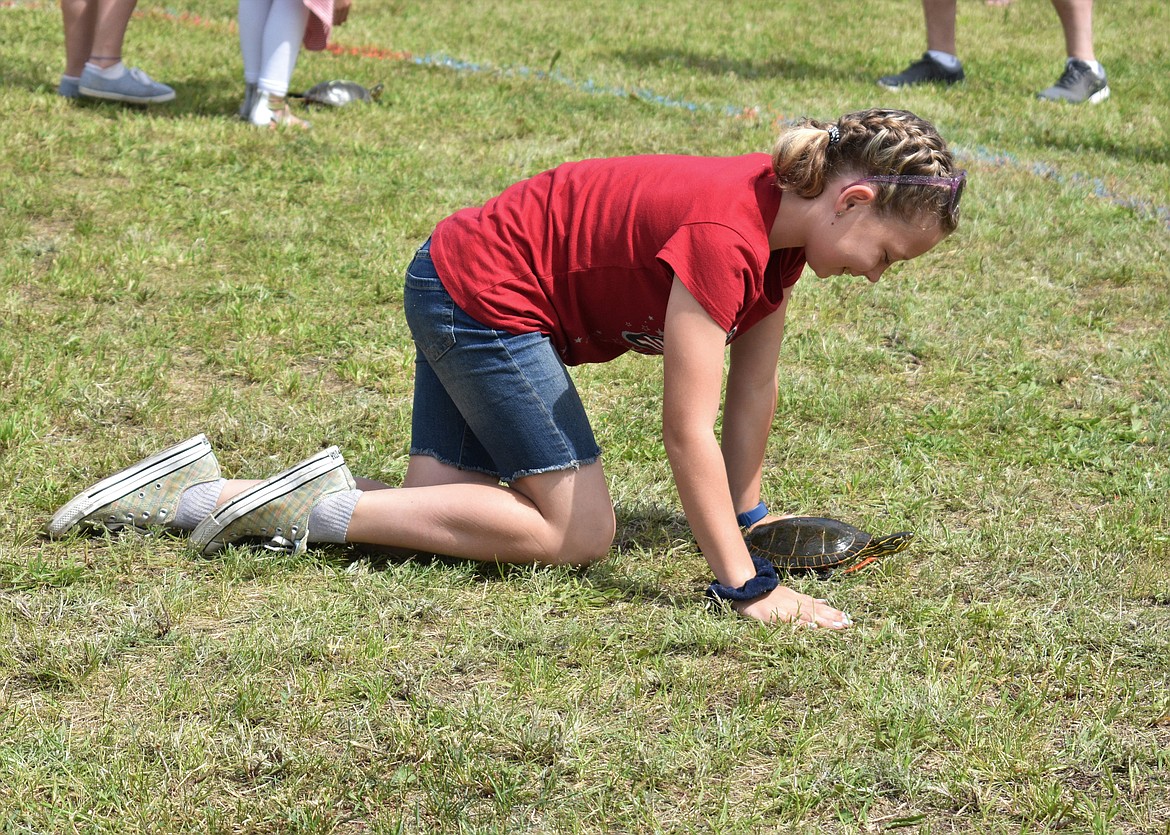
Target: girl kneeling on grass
(672, 255)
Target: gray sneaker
(925, 70)
(276, 510)
(141, 496)
(68, 88)
(133, 86)
(1078, 83)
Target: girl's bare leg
(940, 25)
(113, 16)
(80, 21)
(558, 518)
(1076, 18)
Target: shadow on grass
(198, 98)
(641, 530)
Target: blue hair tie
(750, 517)
(765, 580)
(834, 135)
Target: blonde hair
(865, 144)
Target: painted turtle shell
(339, 93)
(817, 543)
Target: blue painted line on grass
(1095, 185)
(587, 86)
(1098, 187)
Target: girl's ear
(855, 194)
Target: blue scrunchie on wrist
(765, 580)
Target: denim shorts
(488, 400)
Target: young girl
(671, 255)
(271, 32)
(95, 31)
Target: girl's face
(852, 239)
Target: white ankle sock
(329, 518)
(196, 504)
(109, 73)
(951, 62)
(261, 113)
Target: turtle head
(884, 546)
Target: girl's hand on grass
(783, 605)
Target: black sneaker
(1079, 83)
(924, 71)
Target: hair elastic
(750, 517)
(834, 135)
(765, 580)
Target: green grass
(170, 271)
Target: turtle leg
(858, 566)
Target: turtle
(817, 543)
(339, 93)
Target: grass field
(172, 270)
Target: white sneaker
(276, 510)
(143, 495)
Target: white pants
(270, 40)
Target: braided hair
(870, 143)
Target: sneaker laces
(281, 545)
(1073, 72)
(140, 76)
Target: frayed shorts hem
(570, 465)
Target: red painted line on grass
(747, 113)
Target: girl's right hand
(783, 605)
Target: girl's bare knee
(582, 555)
(588, 554)
(588, 542)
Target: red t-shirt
(587, 252)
